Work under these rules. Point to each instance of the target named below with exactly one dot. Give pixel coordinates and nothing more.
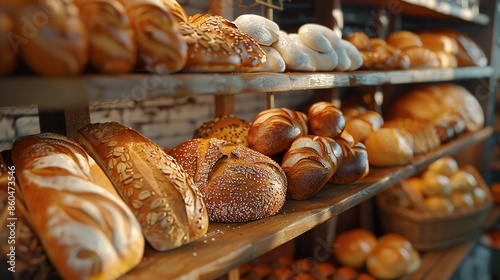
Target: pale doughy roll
(319, 61)
(86, 229)
(353, 54)
(294, 57)
(113, 48)
(274, 61)
(160, 45)
(261, 29)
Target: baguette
(168, 206)
(86, 229)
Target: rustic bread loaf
(325, 119)
(238, 184)
(86, 229)
(162, 196)
(225, 127)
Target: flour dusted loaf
(167, 204)
(238, 184)
(86, 229)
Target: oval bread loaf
(161, 194)
(86, 229)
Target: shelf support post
(67, 121)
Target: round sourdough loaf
(238, 184)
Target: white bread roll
(353, 54)
(294, 57)
(320, 61)
(274, 61)
(86, 229)
(261, 29)
(167, 204)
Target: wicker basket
(428, 231)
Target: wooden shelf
(226, 246)
(59, 93)
(424, 9)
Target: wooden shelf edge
(61, 93)
(448, 9)
(226, 246)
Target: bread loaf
(176, 10)
(361, 126)
(57, 48)
(225, 127)
(274, 61)
(422, 58)
(31, 261)
(112, 43)
(86, 229)
(163, 197)
(160, 45)
(294, 57)
(251, 55)
(404, 39)
(424, 133)
(354, 165)
(438, 42)
(389, 147)
(8, 55)
(274, 130)
(352, 247)
(309, 164)
(325, 119)
(468, 53)
(238, 184)
(319, 61)
(359, 40)
(261, 29)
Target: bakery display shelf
(426, 8)
(442, 264)
(226, 246)
(58, 93)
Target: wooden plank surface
(226, 246)
(60, 93)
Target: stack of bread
(84, 209)
(312, 149)
(313, 48)
(426, 49)
(390, 256)
(443, 187)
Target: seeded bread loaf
(238, 183)
(86, 229)
(167, 204)
(225, 127)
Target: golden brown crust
(325, 119)
(207, 51)
(359, 40)
(274, 130)
(226, 127)
(57, 48)
(389, 147)
(112, 43)
(251, 54)
(163, 197)
(159, 41)
(31, 261)
(425, 135)
(309, 164)
(85, 228)
(354, 165)
(352, 247)
(238, 184)
(422, 58)
(404, 39)
(176, 9)
(8, 55)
